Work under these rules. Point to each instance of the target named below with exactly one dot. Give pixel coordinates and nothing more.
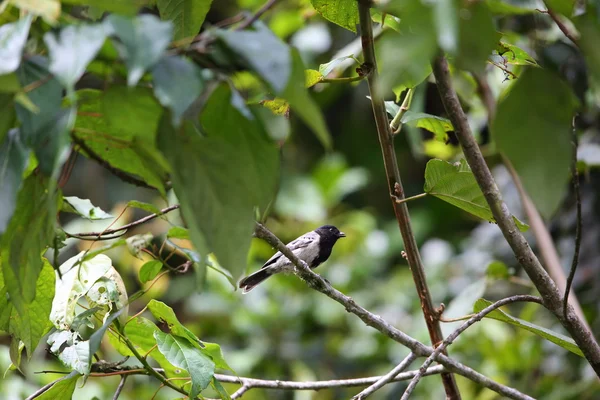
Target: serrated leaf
(72, 49)
(84, 208)
(143, 41)
(539, 146)
(12, 41)
(14, 157)
(30, 325)
(455, 184)
(77, 278)
(514, 55)
(312, 77)
(554, 337)
(208, 173)
(116, 124)
(177, 83)
(182, 354)
(341, 12)
(149, 270)
(29, 231)
(281, 67)
(62, 389)
(187, 16)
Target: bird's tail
(251, 281)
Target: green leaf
(151, 208)
(178, 232)
(30, 230)
(437, 125)
(455, 184)
(589, 29)
(119, 126)
(62, 389)
(143, 40)
(538, 146)
(341, 12)
(280, 66)
(514, 55)
(216, 385)
(446, 24)
(84, 208)
(554, 337)
(12, 41)
(312, 77)
(14, 158)
(124, 7)
(177, 83)
(187, 16)
(210, 171)
(77, 278)
(501, 7)
(72, 49)
(9, 83)
(477, 36)
(96, 338)
(182, 354)
(213, 350)
(45, 131)
(149, 270)
(30, 325)
(164, 313)
(497, 270)
(326, 69)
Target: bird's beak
(341, 234)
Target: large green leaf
(187, 16)
(554, 337)
(14, 157)
(63, 388)
(177, 83)
(455, 184)
(532, 128)
(142, 42)
(280, 66)
(33, 323)
(209, 172)
(45, 130)
(72, 49)
(589, 29)
(341, 12)
(30, 230)
(119, 126)
(182, 354)
(477, 36)
(12, 41)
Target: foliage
(112, 110)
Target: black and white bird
(313, 248)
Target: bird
(314, 248)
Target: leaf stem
(404, 200)
(343, 80)
(396, 124)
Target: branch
(395, 189)
(120, 387)
(578, 225)
(316, 282)
(452, 337)
(571, 36)
(545, 285)
(396, 124)
(117, 231)
(257, 15)
(387, 378)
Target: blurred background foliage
(283, 330)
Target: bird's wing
(295, 245)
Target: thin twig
(452, 337)
(316, 282)
(405, 199)
(249, 21)
(94, 235)
(396, 124)
(120, 387)
(386, 378)
(578, 223)
(570, 35)
(390, 162)
(553, 298)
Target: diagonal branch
(316, 282)
(452, 337)
(387, 378)
(545, 285)
(395, 188)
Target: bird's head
(330, 232)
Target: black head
(330, 232)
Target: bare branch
(566, 31)
(452, 337)
(578, 224)
(545, 285)
(266, 7)
(386, 378)
(120, 387)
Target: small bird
(313, 248)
